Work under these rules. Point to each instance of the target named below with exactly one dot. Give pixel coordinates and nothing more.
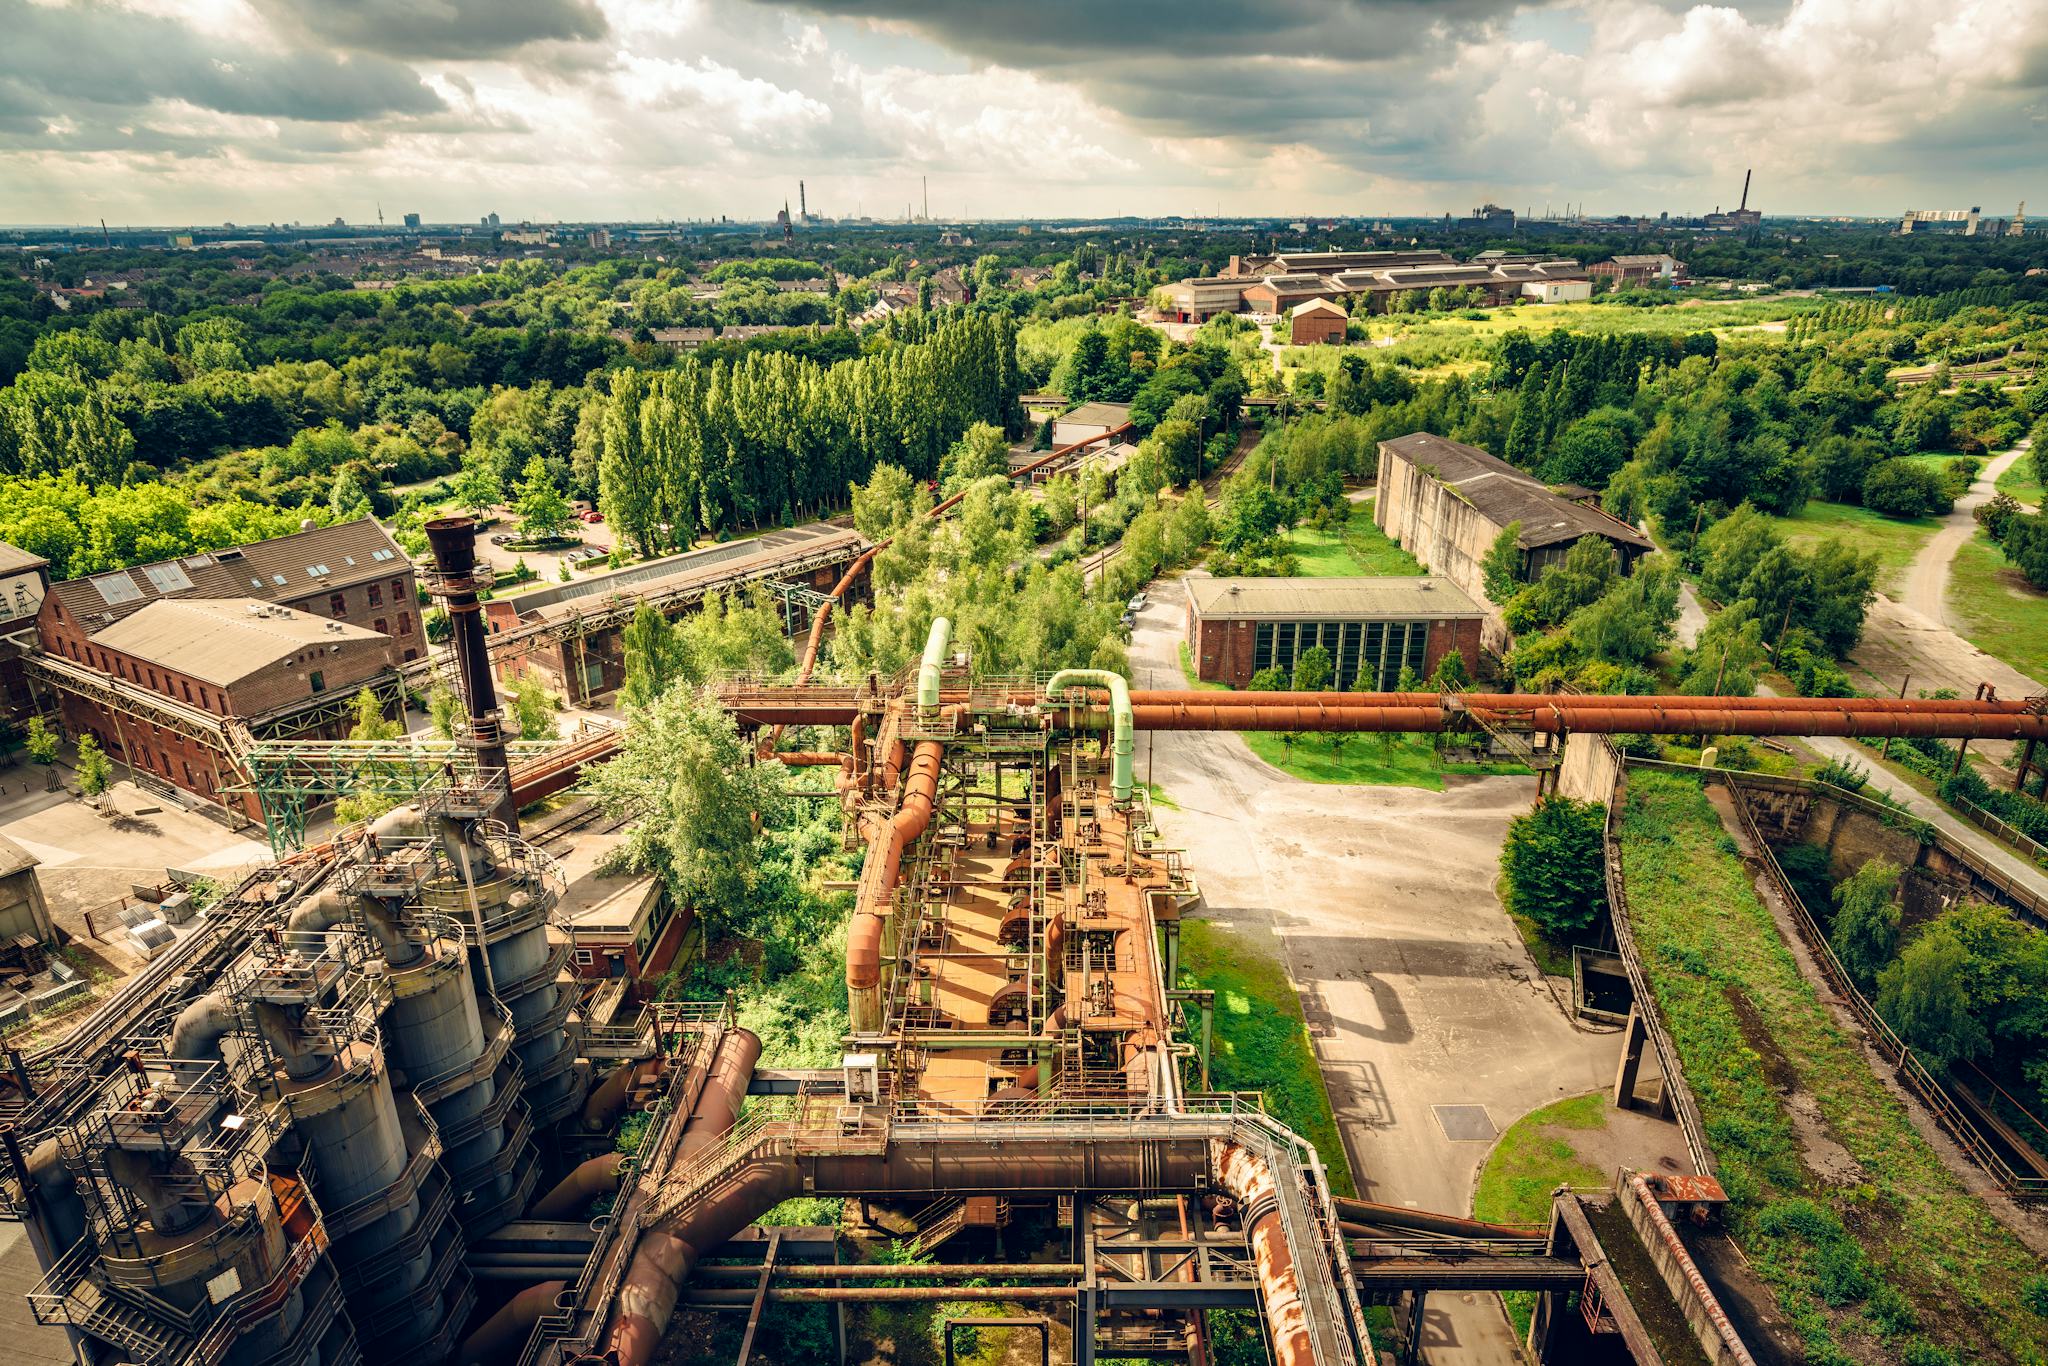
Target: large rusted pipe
(1589, 717)
(598, 1176)
(884, 1294)
(608, 1097)
(504, 1332)
(725, 1091)
(800, 758)
(667, 1254)
(931, 1271)
(1249, 1179)
(878, 882)
(1525, 700)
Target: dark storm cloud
(1267, 74)
(72, 60)
(455, 30)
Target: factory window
(319, 681)
(584, 958)
(337, 603)
(376, 595)
(382, 626)
(411, 655)
(1262, 646)
(152, 676)
(405, 623)
(1347, 653)
(186, 684)
(398, 590)
(190, 781)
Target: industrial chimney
(454, 582)
(1745, 190)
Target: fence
(1912, 1073)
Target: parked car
(1136, 604)
(502, 538)
(592, 517)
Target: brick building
(352, 572)
(233, 658)
(24, 581)
(1621, 272)
(175, 666)
(1371, 626)
(1317, 323)
(624, 924)
(1446, 503)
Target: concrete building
(1201, 298)
(1446, 503)
(1316, 323)
(1274, 295)
(1373, 627)
(1623, 272)
(23, 912)
(1325, 262)
(1090, 419)
(623, 925)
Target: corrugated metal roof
(223, 640)
(13, 559)
(1098, 414)
(1393, 597)
(1504, 494)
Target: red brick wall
(395, 612)
(1223, 650)
(1317, 329)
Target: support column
(1633, 1035)
(2019, 780)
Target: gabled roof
(1098, 414)
(277, 570)
(223, 641)
(13, 559)
(1504, 494)
(1317, 305)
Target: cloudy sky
(177, 111)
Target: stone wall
(1588, 770)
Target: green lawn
(2001, 613)
(1261, 1041)
(1532, 1159)
(1389, 761)
(2022, 481)
(1893, 1247)
(1896, 541)
(1359, 549)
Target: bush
(1903, 488)
(1555, 865)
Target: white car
(1137, 604)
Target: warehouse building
(24, 581)
(176, 667)
(1372, 627)
(1317, 323)
(1446, 503)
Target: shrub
(1902, 488)
(1555, 865)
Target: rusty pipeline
(598, 1176)
(1249, 1180)
(502, 1333)
(878, 883)
(1674, 716)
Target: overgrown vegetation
(1890, 1247)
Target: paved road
(1925, 589)
(1417, 989)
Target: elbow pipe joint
(930, 668)
(1122, 745)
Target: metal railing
(1912, 1073)
(1676, 1091)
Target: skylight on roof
(116, 588)
(278, 579)
(168, 578)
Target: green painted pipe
(1121, 745)
(934, 661)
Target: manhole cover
(1465, 1123)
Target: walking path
(1914, 639)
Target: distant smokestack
(453, 543)
(1745, 190)
(803, 208)
(926, 182)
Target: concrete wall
(22, 908)
(1589, 768)
(1695, 1299)
(1448, 535)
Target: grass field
(1888, 1245)
(1398, 761)
(1261, 1041)
(2022, 481)
(1361, 548)
(1532, 1159)
(1895, 541)
(2001, 613)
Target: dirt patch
(1828, 1161)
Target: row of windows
(337, 603)
(1379, 650)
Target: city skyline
(259, 111)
